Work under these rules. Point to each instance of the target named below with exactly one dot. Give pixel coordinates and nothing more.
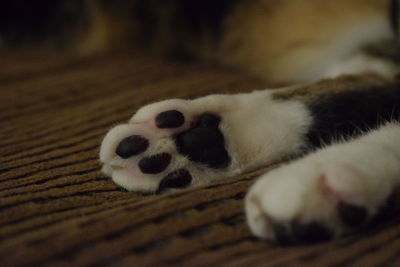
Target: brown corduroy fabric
(57, 209)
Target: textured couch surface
(58, 209)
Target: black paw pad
(177, 179)
(311, 233)
(389, 209)
(170, 119)
(132, 146)
(282, 234)
(204, 143)
(302, 233)
(155, 164)
(353, 216)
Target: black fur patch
(395, 16)
(24, 22)
(198, 15)
(349, 113)
(180, 21)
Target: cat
(344, 137)
(335, 121)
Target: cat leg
(333, 191)
(178, 143)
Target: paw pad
(177, 179)
(164, 159)
(155, 164)
(170, 119)
(353, 216)
(204, 143)
(132, 146)
(311, 232)
(302, 233)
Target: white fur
(362, 172)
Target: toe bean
(132, 146)
(177, 179)
(155, 164)
(353, 216)
(170, 119)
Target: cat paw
(320, 197)
(165, 145)
(179, 143)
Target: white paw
(178, 143)
(165, 145)
(322, 196)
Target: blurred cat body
(285, 41)
(281, 41)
